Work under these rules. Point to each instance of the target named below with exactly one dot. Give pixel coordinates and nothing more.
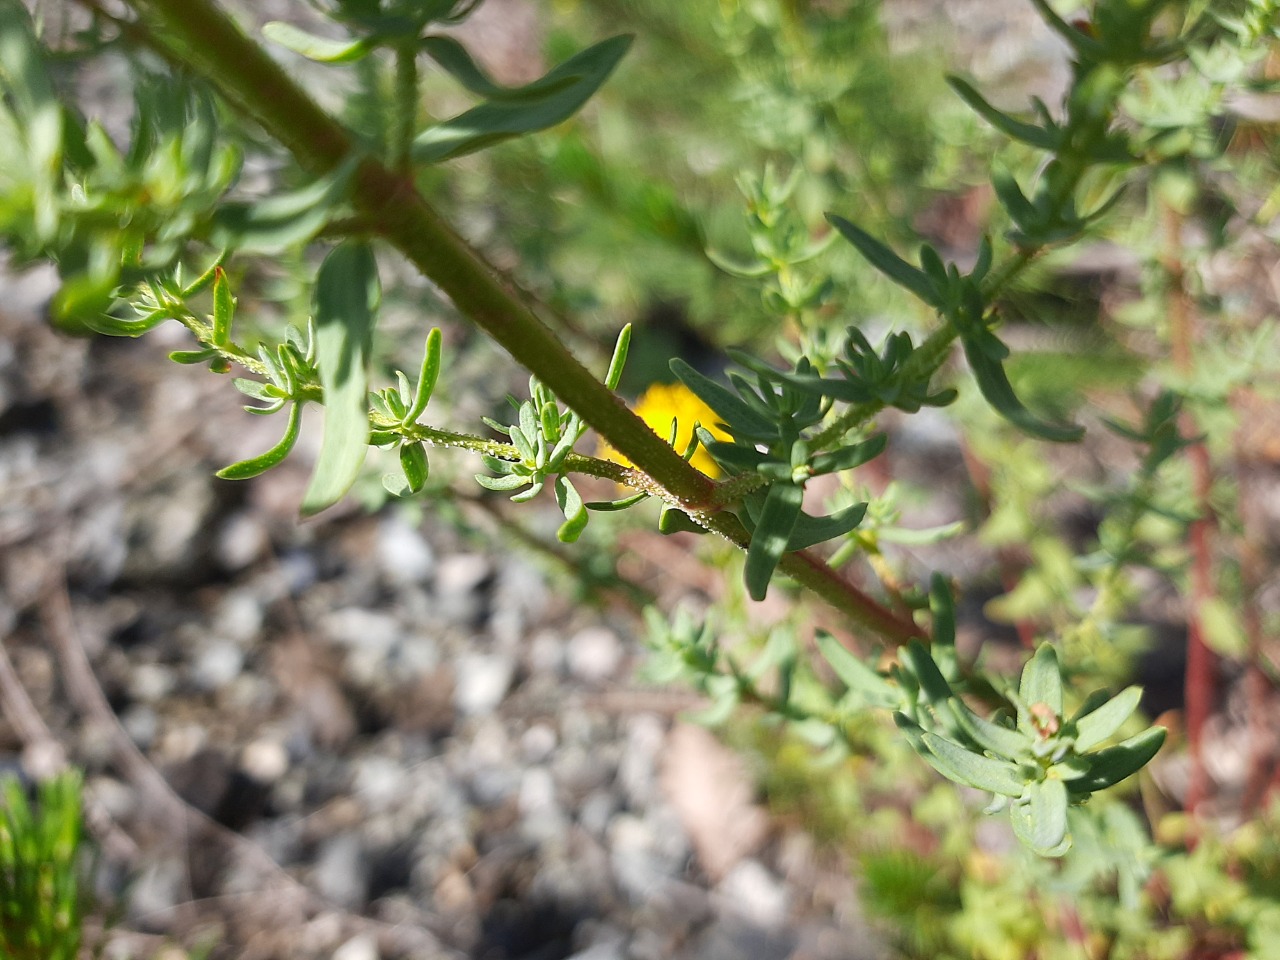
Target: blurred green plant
(42, 885)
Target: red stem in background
(1257, 684)
(1200, 683)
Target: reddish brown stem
(1200, 681)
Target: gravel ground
(360, 737)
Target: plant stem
(1201, 663)
(215, 46)
(406, 103)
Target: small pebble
(361, 947)
(265, 760)
(402, 554)
(481, 682)
(594, 654)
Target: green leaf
(856, 675)
(960, 765)
(738, 268)
(811, 530)
(413, 461)
(772, 535)
(276, 223)
(619, 358)
(1042, 681)
(943, 608)
(1028, 133)
(575, 512)
(347, 293)
(556, 97)
(512, 481)
(224, 308)
(454, 59)
(1108, 767)
(193, 356)
(996, 389)
(990, 736)
(731, 409)
(316, 48)
(674, 520)
(1096, 726)
(427, 377)
(852, 456)
(973, 769)
(1040, 821)
(612, 506)
(886, 261)
(917, 659)
(265, 461)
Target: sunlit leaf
(265, 461)
(772, 535)
(561, 93)
(316, 48)
(1097, 725)
(347, 293)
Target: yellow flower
(663, 403)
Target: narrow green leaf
(265, 461)
(728, 406)
(943, 608)
(811, 530)
(276, 223)
(1021, 211)
(990, 736)
(427, 377)
(847, 458)
(733, 456)
(1108, 767)
(1041, 680)
(996, 389)
(1096, 726)
(916, 658)
(738, 268)
(1028, 133)
(612, 506)
(619, 358)
(346, 300)
(770, 539)
(224, 308)
(575, 512)
(560, 94)
(320, 49)
(856, 675)
(454, 59)
(972, 769)
(886, 261)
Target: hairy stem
(216, 47)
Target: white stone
(360, 947)
(482, 680)
(265, 760)
(594, 654)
